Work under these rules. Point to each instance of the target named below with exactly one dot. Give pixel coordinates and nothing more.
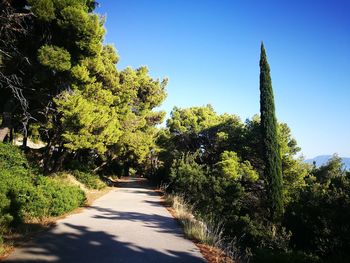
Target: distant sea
(323, 159)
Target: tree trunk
(59, 161)
(47, 157)
(11, 136)
(25, 141)
(25, 136)
(59, 158)
(126, 169)
(104, 164)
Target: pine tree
(271, 151)
(37, 63)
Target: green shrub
(90, 180)
(24, 194)
(59, 198)
(15, 183)
(320, 218)
(22, 197)
(188, 178)
(225, 200)
(13, 160)
(14, 193)
(51, 198)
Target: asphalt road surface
(129, 224)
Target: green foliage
(232, 167)
(11, 158)
(84, 28)
(192, 120)
(320, 217)
(187, 125)
(90, 180)
(13, 196)
(39, 197)
(25, 195)
(200, 129)
(54, 57)
(188, 178)
(271, 148)
(54, 199)
(43, 9)
(83, 4)
(221, 178)
(89, 119)
(108, 118)
(138, 95)
(294, 169)
(222, 199)
(58, 36)
(13, 167)
(214, 197)
(93, 108)
(80, 73)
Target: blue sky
(209, 50)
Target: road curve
(128, 224)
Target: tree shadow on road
(145, 192)
(82, 245)
(159, 203)
(134, 183)
(162, 224)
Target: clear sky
(209, 50)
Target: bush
(24, 194)
(15, 183)
(13, 160)
(188, 178)
(320, 218)
(90, 180)
(52, 198)
(227, 202)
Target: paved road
(128, 224)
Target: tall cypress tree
(271, 151)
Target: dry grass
(206, 235)
(194, 229)
(214, 255)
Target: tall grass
(207, 233)
(198, 230)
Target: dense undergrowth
(315, 226)
(26, 194)
(214, 162)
